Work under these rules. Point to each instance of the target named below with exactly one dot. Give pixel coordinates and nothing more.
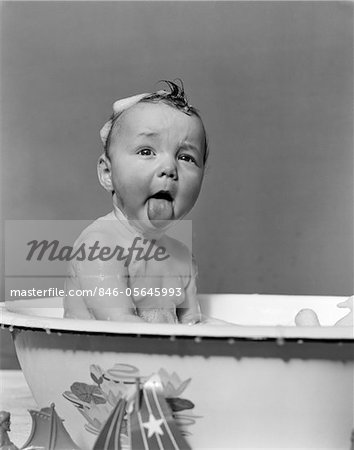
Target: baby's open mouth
(160, 207)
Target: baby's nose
(168, 170)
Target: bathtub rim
(13, 320)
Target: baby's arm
(103, 286)
(189, 312)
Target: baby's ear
(104, 172)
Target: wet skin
(155, 167)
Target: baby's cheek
(192, 184)
(186, 203)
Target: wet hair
(175, 98)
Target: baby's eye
(187, 158)
(145, 152)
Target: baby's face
(157, 162)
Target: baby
(153, 165)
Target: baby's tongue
(159, 210)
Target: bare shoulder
(98, 248)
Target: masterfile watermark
(47, 248)
(96, 292)
(140, 249)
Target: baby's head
(155, 155)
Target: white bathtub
(263, 384)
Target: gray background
(274, 84)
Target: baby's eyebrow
(147, 134)
(187, 145)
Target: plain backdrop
(274, 84)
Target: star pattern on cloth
(153, 426)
